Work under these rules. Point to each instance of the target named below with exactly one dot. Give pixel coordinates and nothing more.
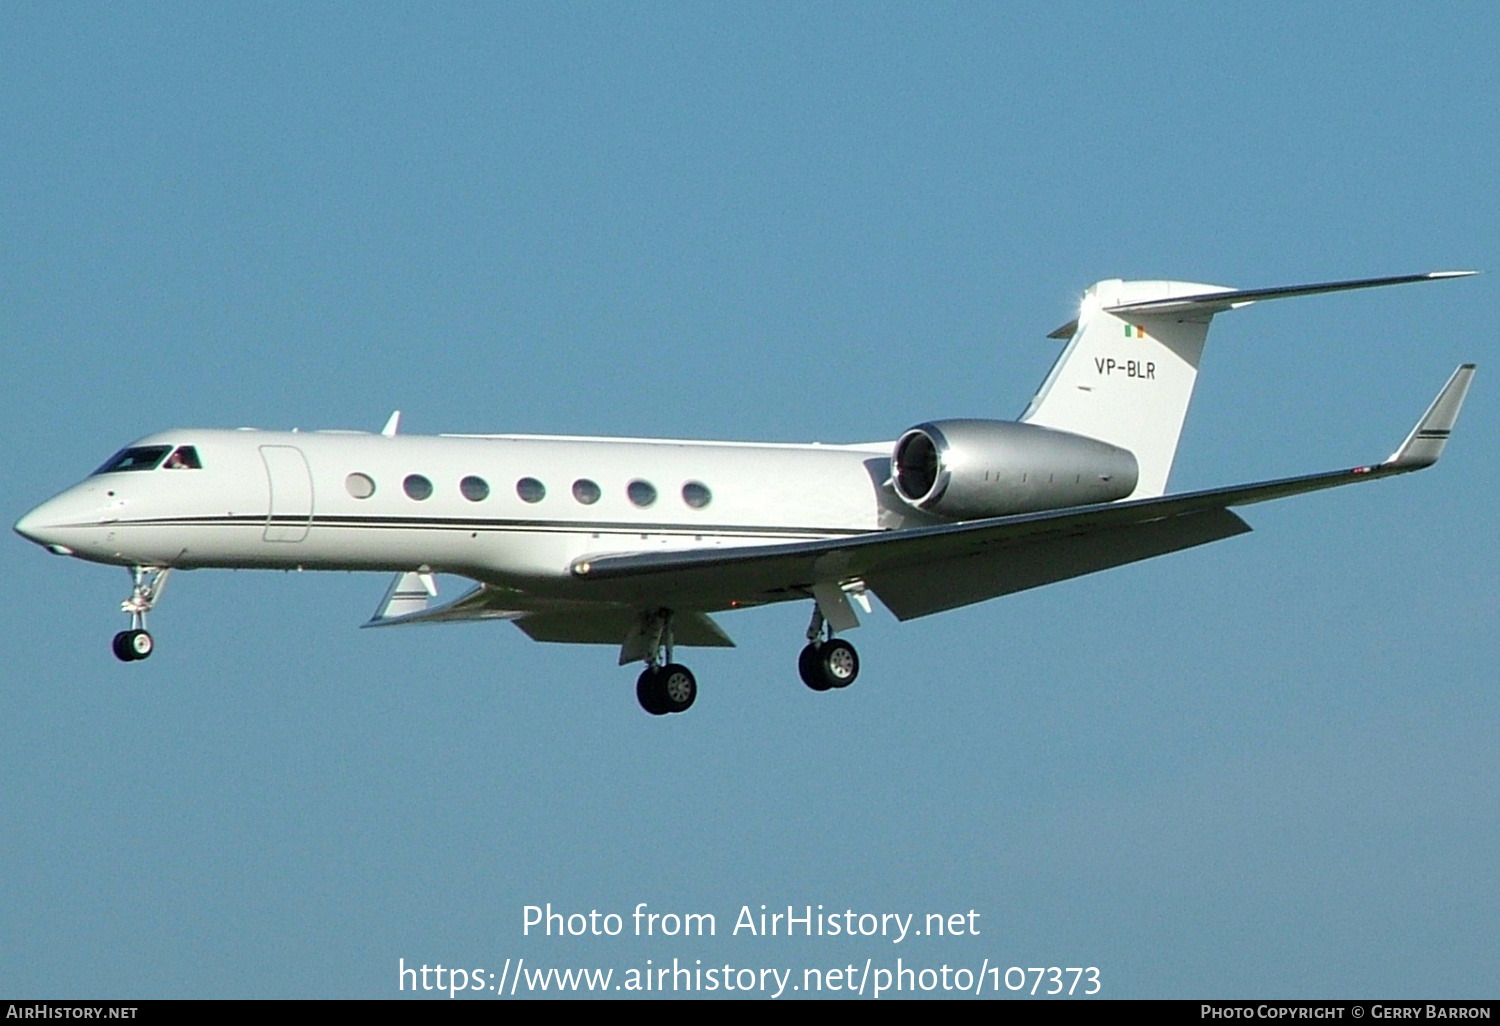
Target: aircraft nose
(41, 525)
(31, 526)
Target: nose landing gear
(132, 645)
(147, 585)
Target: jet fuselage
(516, 511)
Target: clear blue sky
(1267, 767)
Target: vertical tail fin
(1126, 378)
(1127, 373)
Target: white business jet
(634, 542)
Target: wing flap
(610, 625)
(569, 623)
(910, 592)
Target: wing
(915, 572)
(928, 569)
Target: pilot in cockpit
(184, 458)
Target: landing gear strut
(664, 686)
(827, 662)
(147, 585)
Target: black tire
(132, 645)
(677, 686)
(839, 662)
(122, 648)
(650, 693)
(810, 666)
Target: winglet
(392, 425)
(1425, 443)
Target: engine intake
(967, 469)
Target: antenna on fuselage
(392, 425)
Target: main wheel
(810, 666)
(132, 645)
(650, 693)
(839, 661)
(678, 687)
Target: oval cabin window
(361, 486)
(642, 493)
(586, 491)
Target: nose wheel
(146, 587)
(132, 645)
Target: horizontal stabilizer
(1218, 302)
(1220, 299)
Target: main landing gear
(670, 688)
(664, 686)
(827, 662)
(136, 643)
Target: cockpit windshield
(149, 457)
(141, 457)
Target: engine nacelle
(967, 469)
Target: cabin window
(475, 489)
(696, 494)
(642, 493)
(417, 487)
(531, 490)
(184, 458)
(141, 457)
(361, 486)
(586, 491)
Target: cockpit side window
(141, 457)
(185, 458)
